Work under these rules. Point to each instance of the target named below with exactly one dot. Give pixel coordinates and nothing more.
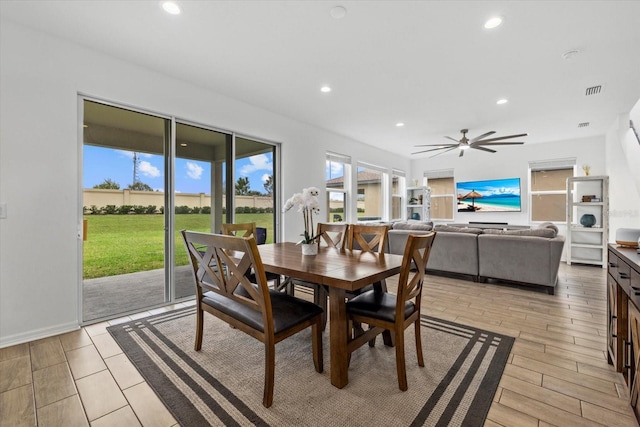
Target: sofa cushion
(535, 232)
(413, 225)
(469, 230)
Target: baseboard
(38, 334)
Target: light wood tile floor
(557, 373)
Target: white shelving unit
(419, 203)
(587, 245)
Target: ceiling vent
(593, 90)
(583, 124)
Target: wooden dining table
(339, 270)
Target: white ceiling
(429, 64)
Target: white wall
(40, 163)
(623, 168)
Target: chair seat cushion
(368, 288)
(288, 311)
(378, 305)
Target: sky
(190, 176)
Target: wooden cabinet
(587, 220)
(419, 203)
(623, 317)
(614, 313)
(633, 358)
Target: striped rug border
(133, 336)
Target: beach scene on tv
(496, 195)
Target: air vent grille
(593, 90)
(583, 124)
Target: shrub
(195, 210)
(207, 210)
(183, 210)
(161, 210)
(94, 210)
(110, 209)
(139, 209)
(151, 209)
(124, 209)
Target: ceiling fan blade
(461, 153)
(478, 138)
(448, 137)
(496, 143)
(436, 145)
(435, 149)
(500, 138)
(452, 148)
(477, 147)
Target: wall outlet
(3, 210)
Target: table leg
(338, 337)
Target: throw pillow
(550, 226)
(413, 225)
(447, 228)
(535, 232)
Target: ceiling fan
(478, 143)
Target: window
(398, 186)
(442, 193)
(371, 192)
(548, 189)
(337, 183)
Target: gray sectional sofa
(528, 256)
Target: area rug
(223, 383)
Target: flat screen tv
(495, 195)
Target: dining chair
(248, 229)
(368, 238)
(394, 312)
(227, 294)
(333, 236)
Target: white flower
(307, 203)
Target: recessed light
(183, 144)
(399, 124)
(85, 126)
(325, 89)
(493, 22)
(338, 12)
(502, 101)
(171, 7)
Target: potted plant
(307, 203)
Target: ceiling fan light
(171, 7)
(493, 22)
(464, 147)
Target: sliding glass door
(254, 196)
(199, 195)
(124, 179)
(147, 177)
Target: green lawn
(119, 244)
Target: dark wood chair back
(333, 235)
(228, 294)
(391, 313)
(369, 238)
(246, 229)
(249, 229)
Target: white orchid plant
(307, 203)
